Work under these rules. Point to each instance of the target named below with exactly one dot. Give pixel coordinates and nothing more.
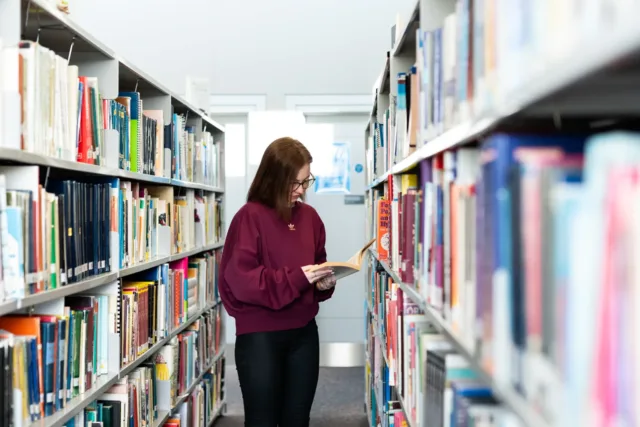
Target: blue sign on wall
(359, 168)
(336, 179)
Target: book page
(355, 259)
(359, 256)
(354, 263)
(341, 271)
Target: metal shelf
(196, 186)
(78, 403)
(53, 15)
(407, 40)
(128, 271)
(103, 382)
(549, 78)
(162, 417)
(10, 306)
(157, 346)
(58, 32)
(454, 137)
(27, 158)
(195, 251)
(217, 413)
(410, 421)
(181, 102)
(44, 14)
(196, 381)
(505, 394)
(42, 297)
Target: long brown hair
(279, 167)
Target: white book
(70, 151)
(9, 97)
(449, 70)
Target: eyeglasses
(304, 184)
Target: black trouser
(278, 374)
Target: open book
(344, 269)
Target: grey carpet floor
(339, 399)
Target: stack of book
(100, 337)
(65, 115)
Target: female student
(264, 284)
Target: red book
(85, 142)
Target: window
(266, 126)
(331, 159)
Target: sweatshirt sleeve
(321, 257)
(253, 283)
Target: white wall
(341, 319)
(273, 47)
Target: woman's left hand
(326, 283)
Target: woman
(264, 284)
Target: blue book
(62, 364)
(70, 338)
(34, 379)
(499, 157)
(463, 392)
(47, 330)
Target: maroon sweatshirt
(261, 283)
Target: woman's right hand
(314, 276)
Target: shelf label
(353, 199)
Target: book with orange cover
(383, 228)
(27, 326)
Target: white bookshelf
(41, 20)
(580, 68)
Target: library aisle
(338, 399)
